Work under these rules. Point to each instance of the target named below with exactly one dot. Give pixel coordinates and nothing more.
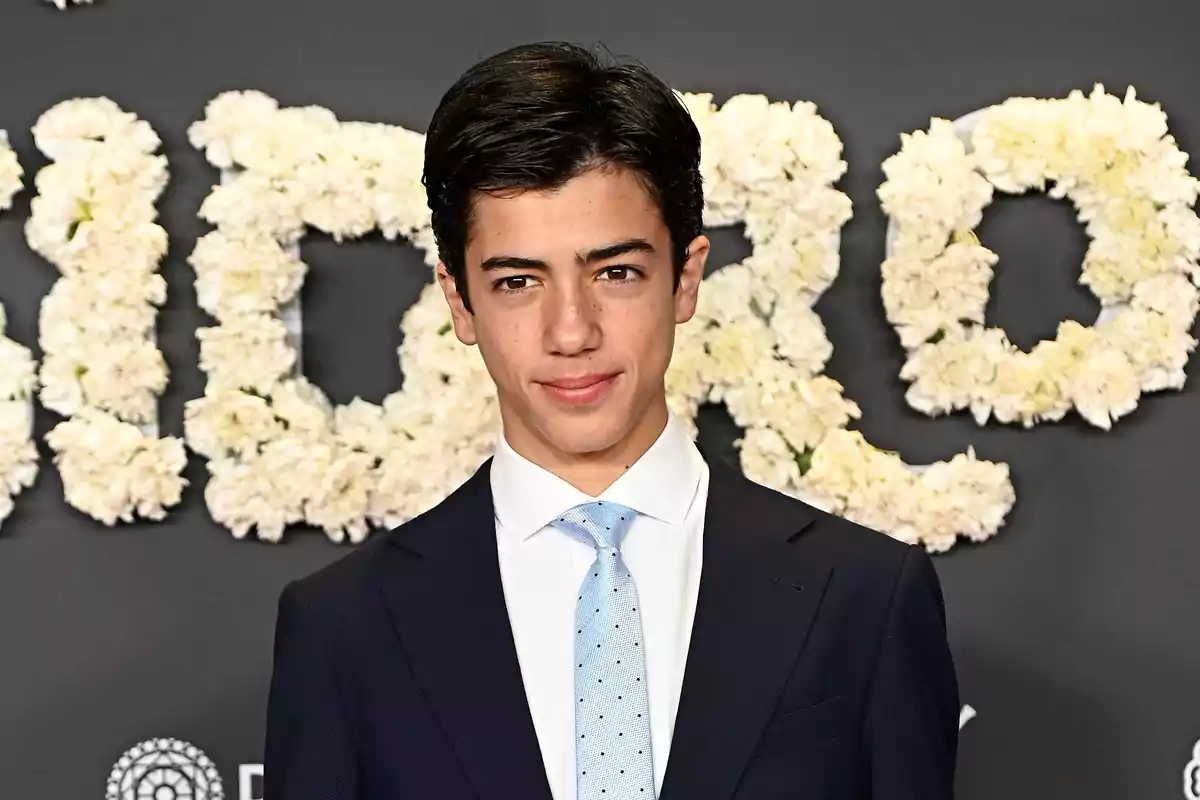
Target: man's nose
(572, 321)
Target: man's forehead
(540, 224)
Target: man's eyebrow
(602, 253)
(512, 262)
(608, 251)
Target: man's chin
(585, 443)
(582, 436)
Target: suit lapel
(755, 606)
(445, 596)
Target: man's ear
(462, 318)
(690, 278)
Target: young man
(598, 614)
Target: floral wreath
(18, 453)
(1115, 161)
(279, 452)
(94, 219)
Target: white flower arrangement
(94, 219)
(18, 452)
(280, 453)
(10, 173)
(1114, 160)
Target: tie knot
(600, 524)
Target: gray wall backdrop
(1074, 630)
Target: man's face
(574, 310)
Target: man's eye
(617, 273)
(513, 283)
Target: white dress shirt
(542, 569)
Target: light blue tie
(613, 759)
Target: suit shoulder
(837, 539)
(853, 543)
(342, 581)
(874, 566)
(339, 579)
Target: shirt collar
(661, 484)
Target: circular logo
(164, 769)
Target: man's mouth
(579, 390)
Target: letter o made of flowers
(1126, 177)
(280, 453)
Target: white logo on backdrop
(1191, 775)
(164, 769)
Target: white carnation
(10, 173)
(244, 275)
(247, 352)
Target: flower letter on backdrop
(1126, 177)
(280, 453)
(757, 346)
(18, 453)
(94, 219)
(10, 173)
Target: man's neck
(592, 473)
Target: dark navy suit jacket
(818, 667)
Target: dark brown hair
(535, 116)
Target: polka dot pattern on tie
(612, 715)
